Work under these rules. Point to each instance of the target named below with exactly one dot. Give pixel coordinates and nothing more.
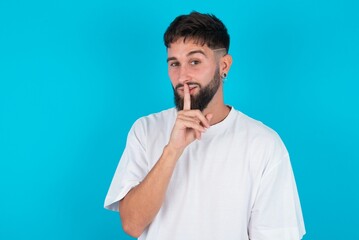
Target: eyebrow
(188, 54)
(196, 51)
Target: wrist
(173, 151)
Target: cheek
(172, 75)
(207, 72)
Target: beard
(201, 100)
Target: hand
(189, 125)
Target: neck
(217, 108)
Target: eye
(174, 64)
(195, 62)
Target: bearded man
(204, 170)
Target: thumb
(209, 117)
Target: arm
(142, 203)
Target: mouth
(193, 88)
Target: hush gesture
(189, 125)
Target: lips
(192, 87)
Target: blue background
(75, 75)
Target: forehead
(182, 48)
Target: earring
(224, 75)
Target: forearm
(142, 203)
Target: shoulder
(264, 145)
(155, 120)
(257, 133)
(253, 126)
(152, 128)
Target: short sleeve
(276, 213)
(132, 168)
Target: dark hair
(201, 28)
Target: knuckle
(182, 112)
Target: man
(204, 170)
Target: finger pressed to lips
(186, 98)
(190, 85)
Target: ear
(225, 64)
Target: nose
(183, 74)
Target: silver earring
(224, 75)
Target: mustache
(180, 85)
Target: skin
(193, 66)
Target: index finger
(186, 98)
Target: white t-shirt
(235, 183)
